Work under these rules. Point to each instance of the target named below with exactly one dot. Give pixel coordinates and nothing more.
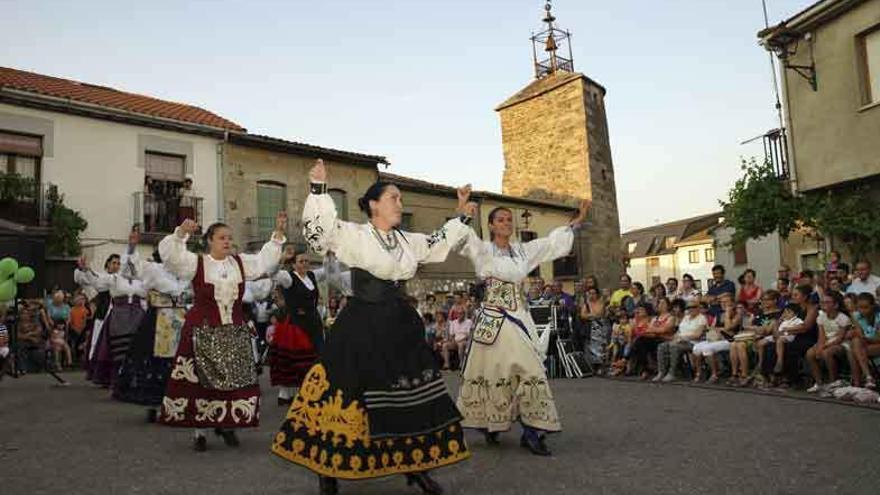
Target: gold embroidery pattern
(184, 370)
(330, 437)
(329, 418)
(502, 294)
(487, 328)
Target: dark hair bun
(364, 205)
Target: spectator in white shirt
(690, 331)
(460, 329)
(833, 326)
(688, 290)
(864, 281)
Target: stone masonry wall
(556, 147)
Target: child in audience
(833, 324)
(621, 340)
(58, 341)
(790, 319)
(4, 341)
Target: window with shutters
(340, 200)
(406, 222)
(165, 167)
(868, 44)
(20, 154)
(567, 266)
(271, 198)
(710, 255)
(526, 236)
(694, 256)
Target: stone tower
(556, 147)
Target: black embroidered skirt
(375, 404)
(144, 373)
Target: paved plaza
(621, 437)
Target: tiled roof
(297, 147)
(652, 241)
(432, 187)
(111, 98)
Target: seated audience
(833, 326)
(691, 328)
(864, 340)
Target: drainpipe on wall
(792, 157)
(221, 202)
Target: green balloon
(8, 290)
(8, 267)
(24, 275)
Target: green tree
(848, 216)
(760, 203)
(66, 224)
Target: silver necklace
(391, 244)
(504, 252)
(224, 268)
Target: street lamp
(784, 43)
(526, 218)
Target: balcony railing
(258, 229)
(23, 200)
(776, 151)
(161, 214)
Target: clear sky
(417, 80)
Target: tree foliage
(760, 203)
(850, 217)
(67, 225)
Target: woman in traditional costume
(213, 381)
(127, 312)
(145, 371)
(299, 336)
(375, 404)
(85, 278)
(503, 379)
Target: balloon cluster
(10, 276)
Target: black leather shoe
(327, 485)
(535, 447)
(229, 437)
(492, 437)
(425, 482)
(200, 444)
(284, 402)
(151, 415)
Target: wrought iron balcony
(23, 200)
(160, 214)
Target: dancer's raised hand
(318, 172)
(470, 209)
(464, 196)
(280, 223)
(189, 226)
(583, 210)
